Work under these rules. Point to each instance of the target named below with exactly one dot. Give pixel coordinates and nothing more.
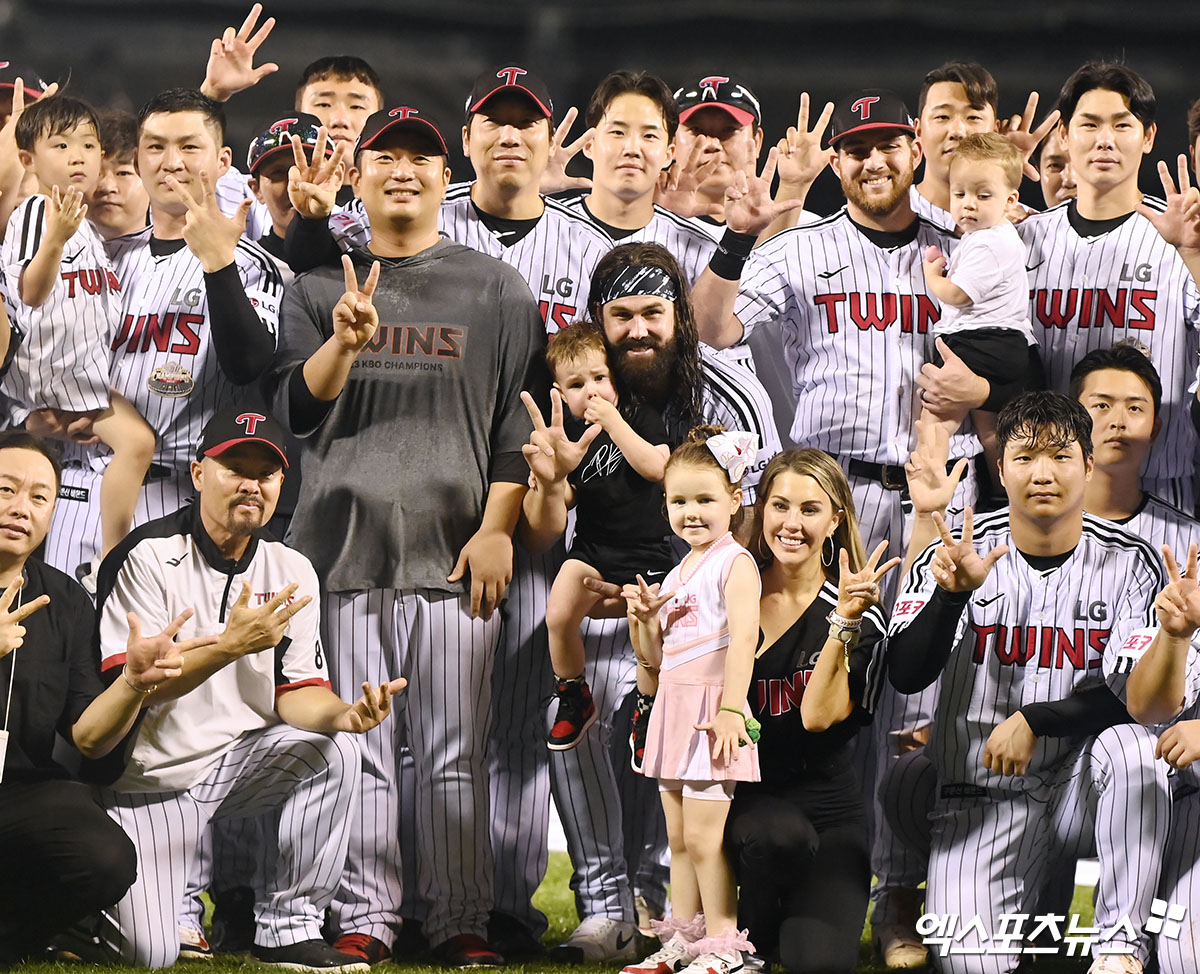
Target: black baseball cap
(510, 77)
(870, 108)
(230, 427)
(402, 117)
(277, 138)
(718, 91)
(10, 71)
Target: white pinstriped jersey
(1159, 523)
(691, 242)
(856, 321)
(556, 258)
(1128, 283)
(733, 397)
(234, 187)
(930, 211)
(1027, 636)
(163, 360)
(61, 359)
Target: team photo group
(809, 565)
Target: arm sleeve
(309, 244)
(299, 658)
(303, 329)
(244, 318)
(926, 624)
(522, 368)
(1087, 711)
(976, 267)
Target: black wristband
(733, 250)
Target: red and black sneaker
(371, 949)
(575, 714)
(467, 950)
(637, 732)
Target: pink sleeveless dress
(695, 639)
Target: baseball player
(1113, 263)
(1013, 618)
(1155, 670)
(245, 721)
(396, 541)
(268, 161)
(1055, 174)
(199, 309)
(850, 297)
(597, 795)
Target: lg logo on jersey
(1096, 611)
(1141, 273)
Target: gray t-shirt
(396, 475)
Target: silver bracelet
(144, 693)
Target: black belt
(890, 475)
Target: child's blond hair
(990, 147)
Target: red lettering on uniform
(158, 332)
(1141, 301)
(1046, 659)
(1085, 308)
(1070, 649)
(113, 283)
(91, 281)
(791, 691)
(928, 312)
(1097, 640)
(559, 315)
(981, 635)
(830, 302)
(69, 277)
(873, 317)
(122, 332)
(136, 336)
(1009, 651)
(1052, 647)
(1111, 308)
(773, 689)
(1056, 314)
(189, 342)
(761, 686)
(449, 345)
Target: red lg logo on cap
(709, 87)
(250, 421)
(282, 124)
(863, 106)
(403, 112)
(510, 75)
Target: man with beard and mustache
(850, 297)
(611, 817)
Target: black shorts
(1004, 357)
(651, 558)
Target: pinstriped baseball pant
(311, 778)
(1180, 884)
(429, 638)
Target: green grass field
(554, 899)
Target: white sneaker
(675, 956)
(752, 963)
(716, 962)
(1116, 964)
(598, 940)
(193, 945)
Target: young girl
(699, 631)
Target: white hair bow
(735, 451)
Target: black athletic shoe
(510, 937)
(310, 955)
(637, 732)
(233, 920)
(576, 713)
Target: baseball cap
(230, 427)
(510, 77)
(870, 108)
(402, 117)
(10, 71)
(277, 138)
(717, 91)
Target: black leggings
(801, 856)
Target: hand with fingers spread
(859, 591)
(1009, 747)
(930, 487)
(679, 186)
(151, 661)
(210, 234)
(550, 452)
(313, 186)
(65, 211)
(1178, 605)
(231, 58)
(749, 207)
(355, 318)
(12, 632)
(1179, 224)
(371, 709)
(12, 172)
(554, 178)
(1020, 132)
(253, 629)
(802, 153)
(957, 566)
(644, 600)
(1179, 744)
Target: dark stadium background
(428, 52)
